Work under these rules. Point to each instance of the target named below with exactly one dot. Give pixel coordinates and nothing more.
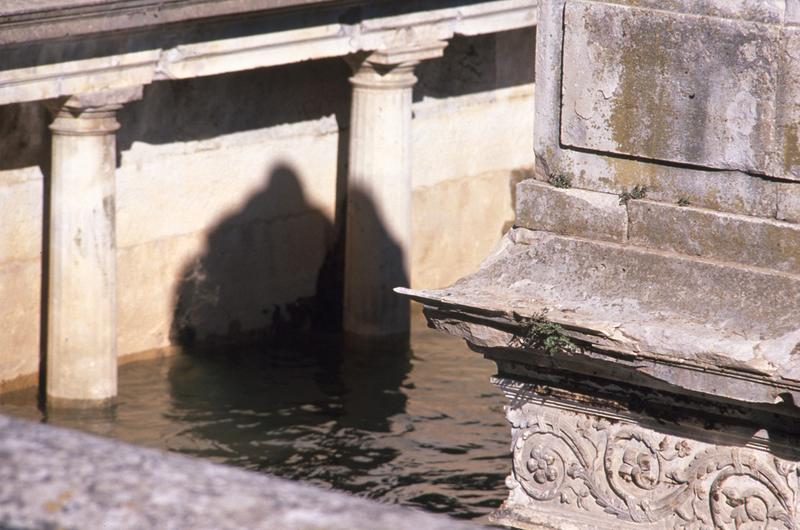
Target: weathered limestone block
(721, 236)
(788, 99)
(734, 107)
(570, 211)
(789, 203)
(639, 396)
(480, 205)
(20, 289)
(19, 238)
(662, 319)
(765, 11)
(701, 93)
(727, 191)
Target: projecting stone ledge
(647, 390)
(636, 315)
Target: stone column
(378, 238)
(81, 306)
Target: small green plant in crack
(560, 181)
(683, 201)
(638, 192)
(542, 334)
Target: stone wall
(696, 127)
(229, 193)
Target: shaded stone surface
(56, 478)
(726, 191)
(25, 20)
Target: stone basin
(640, 316)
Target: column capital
(411, 54)
(392, 68)
(92, 113)
(104, 100)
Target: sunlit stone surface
(228, 183)
(643, 311)
(82, 332)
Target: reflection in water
(424, 429)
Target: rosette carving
(625, 472)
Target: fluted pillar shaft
(81, 319)
(378, 239)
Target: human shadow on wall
(243, 288)
(293, 402)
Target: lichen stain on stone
(59, 502)
(630, 173)
(109, 208)
(639, 120)
(791, 150)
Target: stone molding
(94, 113)
(263, 50)
(89, 122)
(393, 68)
(585, 465)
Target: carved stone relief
(574, 464)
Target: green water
(423, 429)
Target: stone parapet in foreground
(57, 478)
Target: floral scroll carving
(626, 473)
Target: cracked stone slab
(692, 324)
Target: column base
(56, 404)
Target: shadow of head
(260, 268)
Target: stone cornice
(30, 20)
(262, 50)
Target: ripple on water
(423, 429)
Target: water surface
(422, 429)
